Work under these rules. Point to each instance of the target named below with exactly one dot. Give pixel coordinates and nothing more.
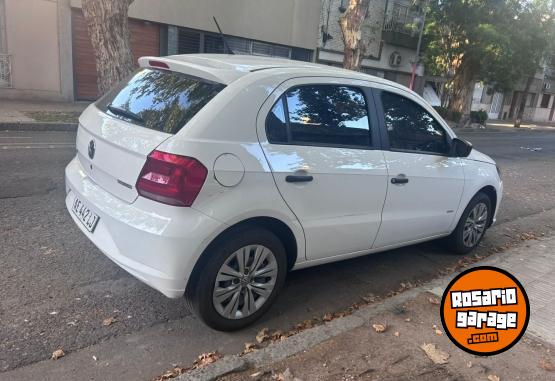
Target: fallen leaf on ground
(262, 335)
(285, 376)
(493, 377)
(370, 298)
(547, 365)
(433, 300)
(438, 332)
(109, 321)
(58, 353)
(379, 328)
(249, 347)
(206, 359)
(278, 336)
(435, 354)
(173, 373)
(397, 333)
(327, 317)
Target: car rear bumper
(156, 243)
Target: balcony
(399, 28)
(5, 70)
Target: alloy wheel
(245, 281)
(475, 225)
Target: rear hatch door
(118, 132)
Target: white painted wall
(33, 29)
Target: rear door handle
(298, 178)
(399, 180)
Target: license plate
(86, 216)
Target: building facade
(46, 53)
(390, 34)
(539, 103)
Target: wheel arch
(490, 191)
(274, 225)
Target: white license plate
(87, 217)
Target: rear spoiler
(219, 75)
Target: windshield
(159, 99)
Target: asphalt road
(56, 287)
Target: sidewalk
(350, 348)
(30, 112)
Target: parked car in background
(212, 176)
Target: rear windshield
(159, 99)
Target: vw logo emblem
(92, 149)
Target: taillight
(171, 179)
(158, 64)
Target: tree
(351, 28)
(532, 39)
(109, 32)
(495, 41)
(462, 40)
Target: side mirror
(460, 147)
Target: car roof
(227, 68)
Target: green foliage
(480, 117)
(499, 41)
(454, 116)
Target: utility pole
(420, 33)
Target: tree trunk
(463, 87)
(522, 106)
(351, 24)
(500, 115)
(109, 32)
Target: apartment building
(540, 98)
(390, 32)
(45, 49)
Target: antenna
(223, 37)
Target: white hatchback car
(212, 176)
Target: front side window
(411, 128)
(159, 99)
(323, 115)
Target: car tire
(465, 237)
(239, 243)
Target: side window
(410, 127)
(276, 124)
(324, 115)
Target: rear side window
(411, 128)
(322, 115)
(159, 99)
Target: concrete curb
(304, 340)
(37, 126)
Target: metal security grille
(5, 70)
(192, 41)
(188, 42)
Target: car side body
(351, 208)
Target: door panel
(427, 204)
(425, 184)
(340, 208)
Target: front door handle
(298, 178)
(400, 179)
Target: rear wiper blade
(125, 113)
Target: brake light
(158, 64)
(171, 179)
